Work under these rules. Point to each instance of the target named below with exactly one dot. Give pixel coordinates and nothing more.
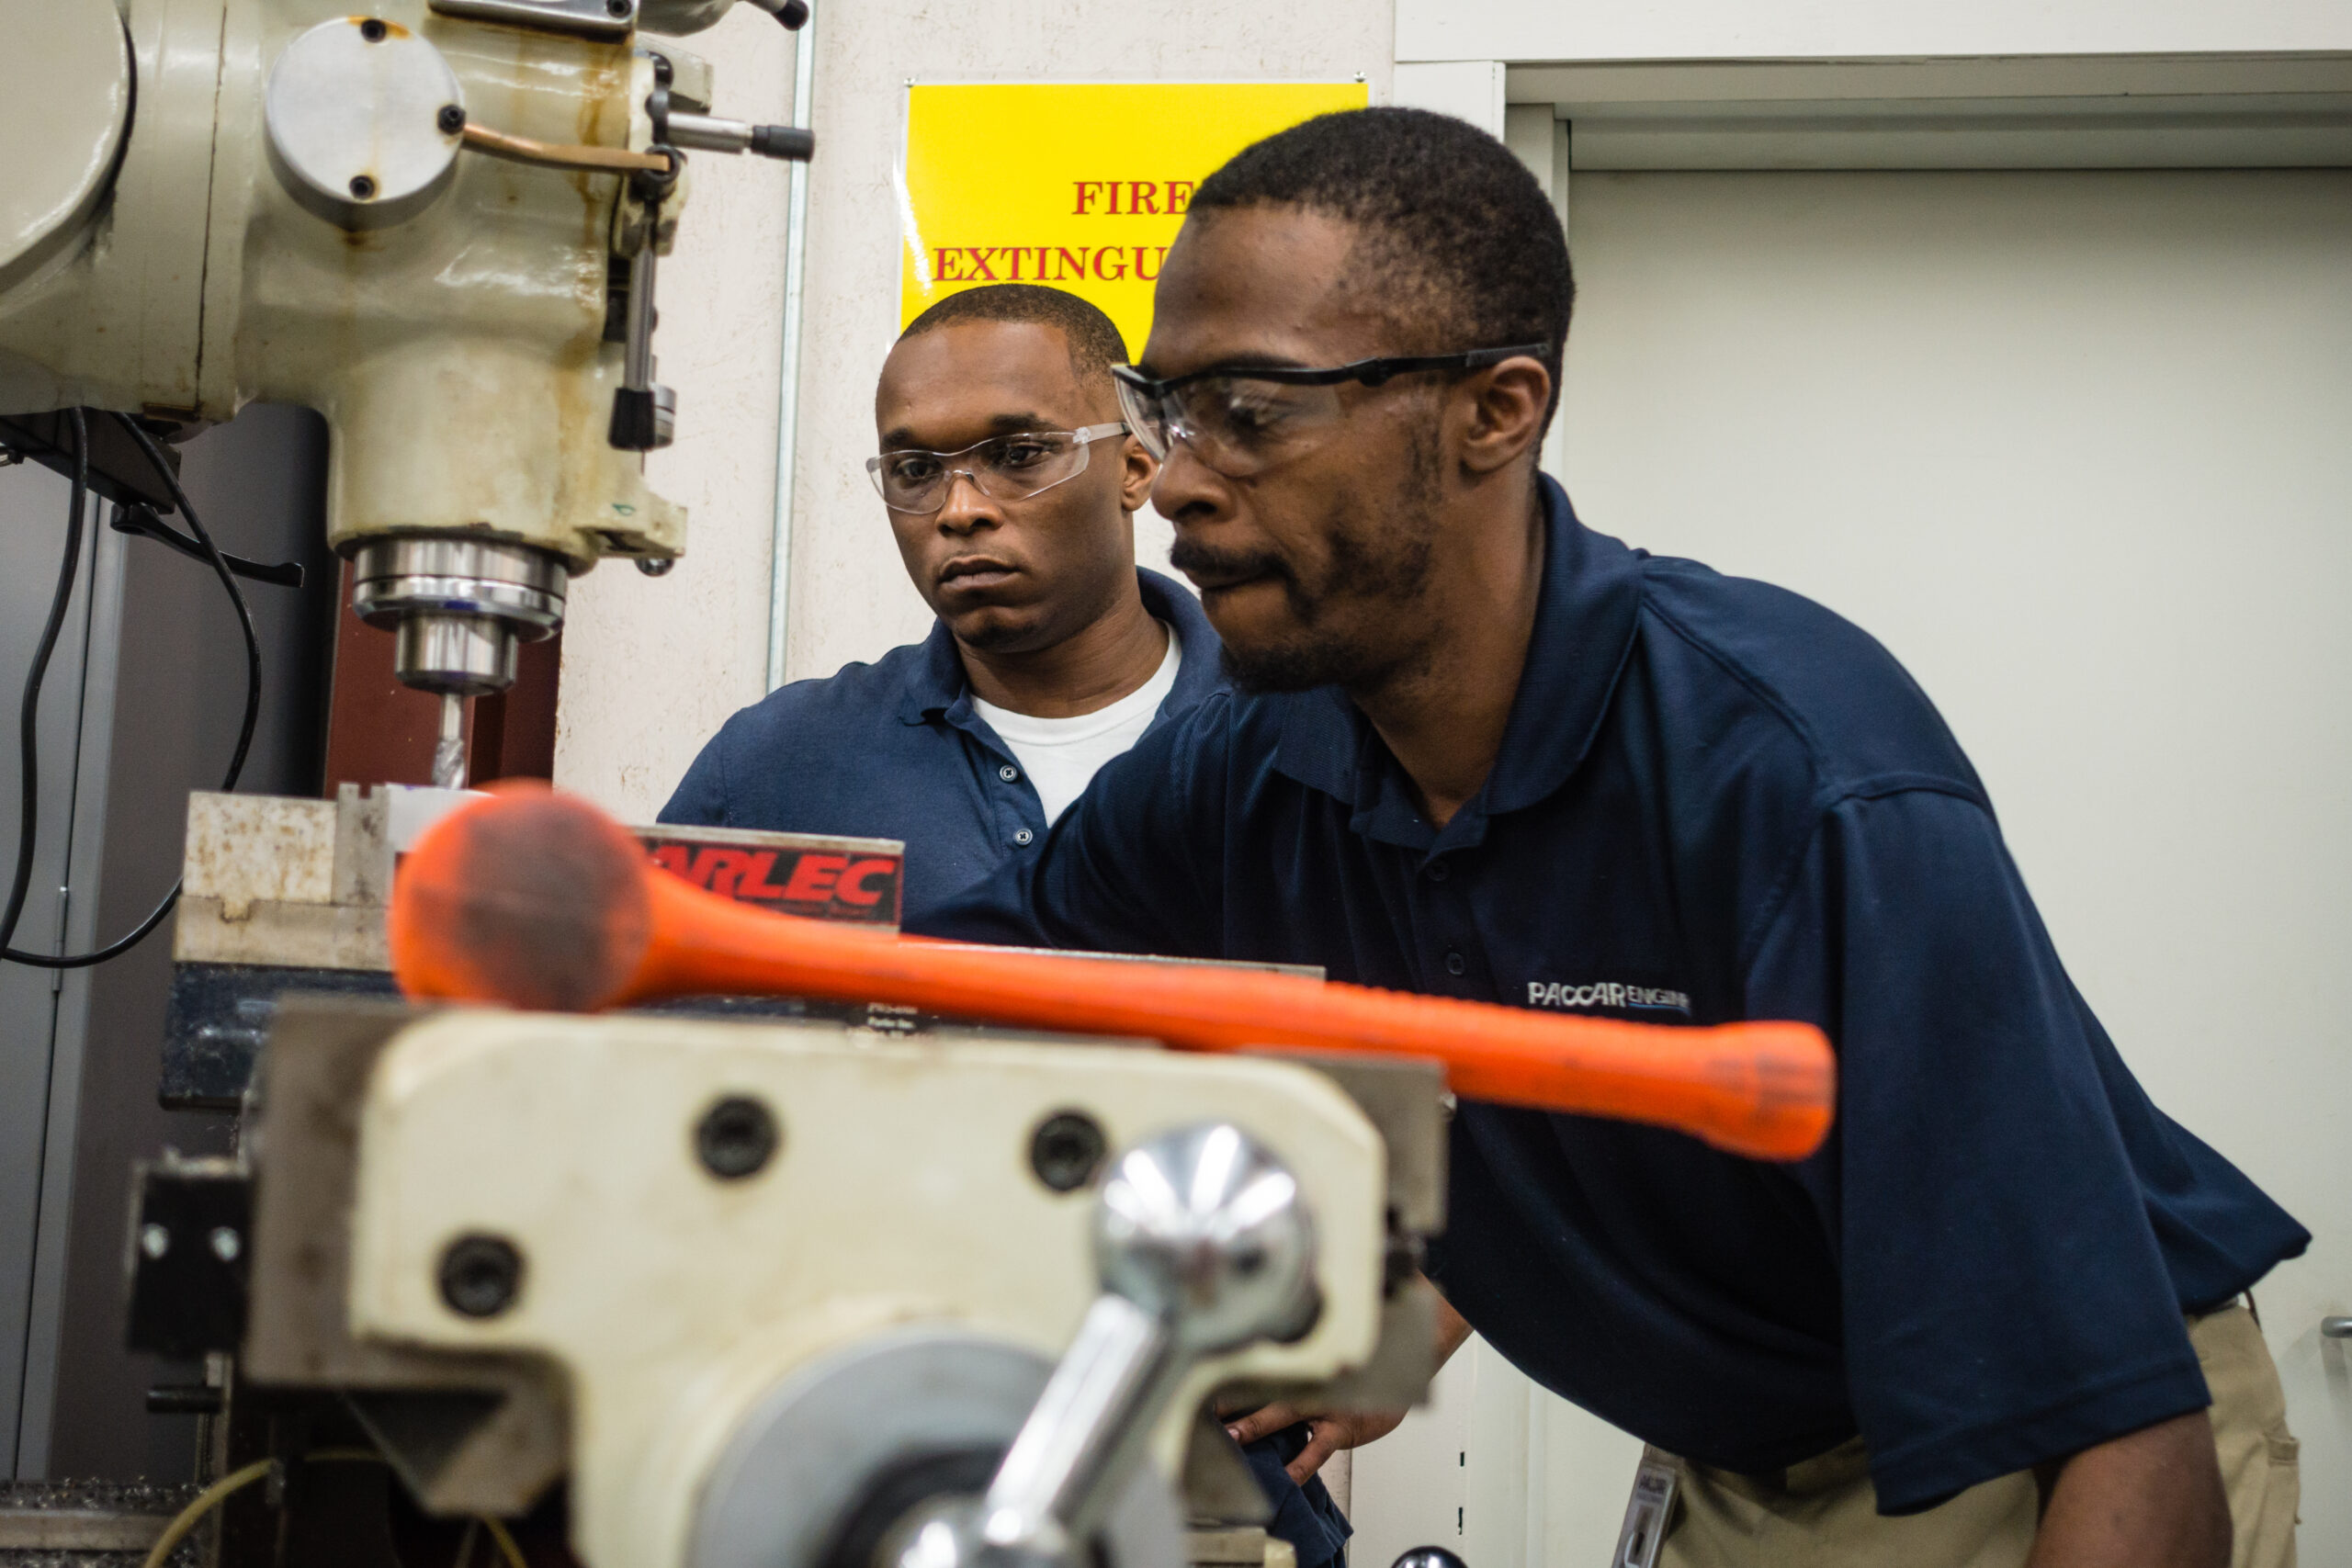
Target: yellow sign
(1079, 185)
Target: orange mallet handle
(537, 899)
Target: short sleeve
(1135, 866)
(2005, 1300)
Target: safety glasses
(1243, 422)
(1003, 468)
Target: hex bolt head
(154, 1240)
(226, 1243)
(1067, 1149)
(372, 30)
(480, 1275)
(736, 1138)
(363, 189)
(451, 119)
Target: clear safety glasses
(1003, 468)
(1243, 422)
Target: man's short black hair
(1094, 342)
(1457, 234)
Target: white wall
(850, 598)
(1848, 29)
(652, 666)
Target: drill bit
(449, 751)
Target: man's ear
(1502, 413)
(1140, 470)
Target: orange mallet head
(537, 899)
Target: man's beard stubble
(1348, 631)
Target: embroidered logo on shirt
(1569, 996)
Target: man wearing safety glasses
(1010, 485)
(1478, 749)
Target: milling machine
(438, 222)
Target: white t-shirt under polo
(1061, 754)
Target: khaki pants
(1824, 1513)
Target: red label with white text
(794, 874)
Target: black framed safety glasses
(1242, 420)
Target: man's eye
(1252, 410)
(1022, 454)
(912, 468)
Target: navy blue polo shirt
(1714, 800)
(892, 750)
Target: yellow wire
(505, 1540)
(204, 1503)
(237, 1480)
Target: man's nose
(1188, 488)
(964, 507)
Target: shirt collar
(935, 679)
(1203, 670)
(936, 684)
(1584, 626)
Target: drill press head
(438, 224)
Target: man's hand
(2149, 1499)
(1325, 1434)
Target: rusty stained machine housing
(436, 221)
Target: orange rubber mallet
(536, 900)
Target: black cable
(29, 711)
(32, 695)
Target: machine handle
(2336, 1327)
(709, 133)
(143, 519)
(1058, 1475)
(1203, 1244)
(536, 900)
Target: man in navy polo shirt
(1011, 487)
(1480, 750)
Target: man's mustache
(1193, 558)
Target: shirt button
(1439, 871)
(1008, 773)
(1455, 964)
(1023, 836)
